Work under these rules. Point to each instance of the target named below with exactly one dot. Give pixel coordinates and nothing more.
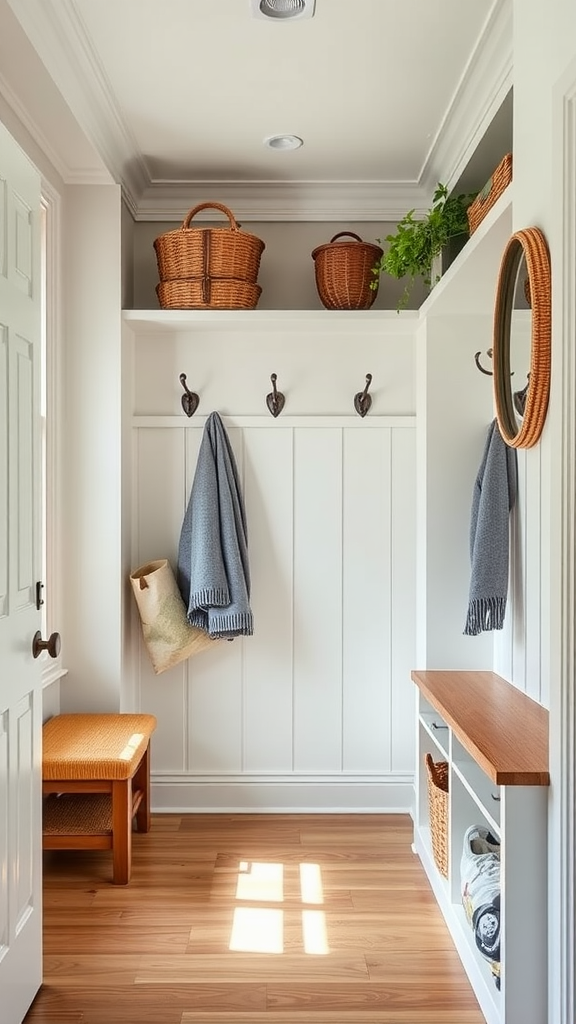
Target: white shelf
(469, 284)
(373, 321)
(482, 791)
(437, 730)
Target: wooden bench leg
(142, 782)
(121, 830)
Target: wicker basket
(208, 293)
(492, 190)
(344, 272)
(438, 804)
(223, 252)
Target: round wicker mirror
(522, 311)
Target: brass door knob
(52, 645)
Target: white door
(20, 560)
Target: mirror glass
(521, 343)
(520, 337)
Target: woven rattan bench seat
(95, 781)
(94, 746)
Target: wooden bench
(95, 779)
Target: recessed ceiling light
(282, 10)
(280, 142)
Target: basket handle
(210, 206)
(431, 768)
(349, 233)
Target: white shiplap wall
(315, 711)
(320, 695)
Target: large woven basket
(208, 252)
(492, 190)
(208, 293)
(344, 272)
(437, 773)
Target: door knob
(52, 645)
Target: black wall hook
(362, 400)
(190, 400)
(479, 364)
(275, 400)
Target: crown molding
(285, 200)
(485, 82)
(31, 127)
(56, 31)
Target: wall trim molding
(485, 82)
(269, 793)
(63, 43)
(262, 201)
(562, 828)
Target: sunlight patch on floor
(256, 930)
(314, 932)
(261, 882)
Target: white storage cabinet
(495, 740)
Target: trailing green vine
(416, 243)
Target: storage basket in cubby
(492, 191)
(437, 775)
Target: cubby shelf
(497, 746)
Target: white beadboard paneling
(160, 489)
(321, 688)
(535, 597)
(317, 600)
(516, 604)
(366, 599)
(267, 727)
(166, 697)
(402, 599)
(3, 469)
(5, 833)
(215, 708)
(3, 227)
(160, 493)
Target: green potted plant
(416, 243)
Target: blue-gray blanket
(213, 571)
(493, 498)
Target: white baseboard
(333, 794)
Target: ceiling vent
(283, 10)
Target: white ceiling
(171, 96)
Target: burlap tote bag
(168, 635)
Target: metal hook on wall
(520, 397)
(362, 400)
(275, 400)
(479, 364)
(190, 400)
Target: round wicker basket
(208, 293)
(344, 272)
(217, 252)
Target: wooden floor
(251, 919)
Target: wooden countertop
(503, 729)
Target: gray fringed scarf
(493, 498)
(213, 572)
